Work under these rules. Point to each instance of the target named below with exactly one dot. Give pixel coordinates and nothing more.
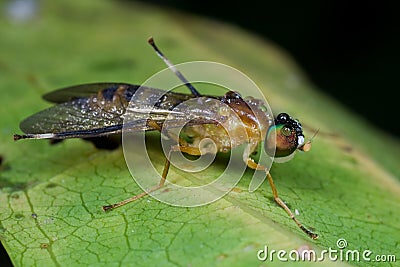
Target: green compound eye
(286, 131)
(280, 141)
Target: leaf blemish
(15, 186)
(19, 216)
(51, 185)
(221, 257)
(15, 196)
(347, 148)
(44, 246)
(3, 167)
(237, 190)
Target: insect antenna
(172, 67)
(307, 146)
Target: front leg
(253, 165)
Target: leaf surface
(347, 186)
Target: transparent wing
(85, 90)
(90, 112)
(80, 115)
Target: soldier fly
(96, 110)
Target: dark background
(349, 49)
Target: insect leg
(253, 165)
(156, 126)
(161, 184)
(189, 150)
(286, 208)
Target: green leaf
(347, 186)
